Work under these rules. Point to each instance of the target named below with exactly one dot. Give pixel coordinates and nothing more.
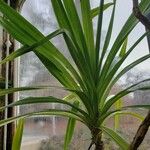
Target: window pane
(48, 133)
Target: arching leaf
(17, 139)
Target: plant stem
(143, 128)
(97, 139)
(99, 145)
(141, 132)
(138, 14)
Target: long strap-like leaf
(98, 36)
(70, 128)
(128, 90)
(96, 11)
(49, 112)
(109, 81)
(124, 145)
(26, 48)
(17, 139)
(31, 35)
(13, 90)
(127, 28)
(38, 100)
(77, 50)
(88, 30)
(108, 36)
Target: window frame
(10, 44)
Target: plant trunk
(97, 139)
(99, 145)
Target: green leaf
(130, 89)
(26, 48)
(68, 12)
(16, 145)
(108, 36)
(12, 90)
(27, 34)
(130, 66)
(87, 81)
(80, 50)
(109, 82)
(96, 11)
(49, 55)
(137, 106)
(37, 100)
(126, 30)
(70, 128)
(58, 70)
(46, 113)
(118, 105)
(75, 24)
(69, 97)
(88, 29)
(124, 145)
(119, 75)
(86, 101)
(141, 118)
(123, 48)
(123, 111)
(98, 34)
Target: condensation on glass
(47, 133)
(43, 132)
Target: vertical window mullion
(2, 98)
(9, 72)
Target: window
(1, 85)
(40, 131)
(48, 132)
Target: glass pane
(48, 133)
(40, 132)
